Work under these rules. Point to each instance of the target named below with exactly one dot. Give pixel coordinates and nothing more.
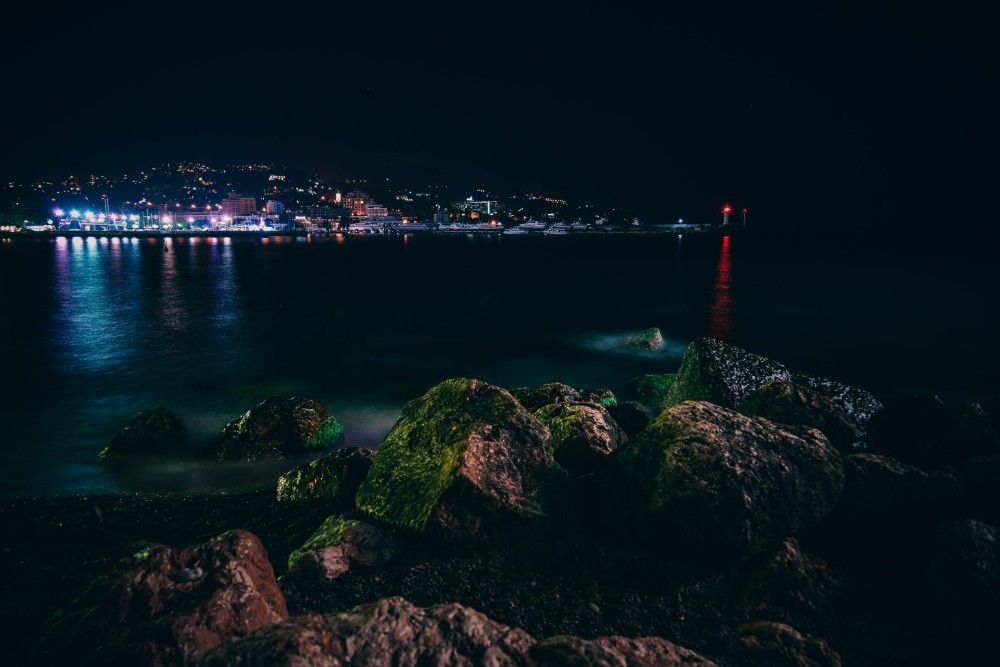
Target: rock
(337, 476)
(650, 388)
(604, 397)
(388, 632)
(462, 457)
(167, 606)
(547, 394)
(785, 402)
(650, 340)
(339, 544)
(567, 651)
(583, 434)
(723, 485)
(964, 576)
(982, 478)
(787, 579)
(884, 494)
(929, 434)
(154, 430)
(777, 644)
(280, 427)
(725, 375)
(630, 417)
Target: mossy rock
(583, 434)
(557, 392)
(718, 484)
(337, 476)
(463, 453)
(647, 340)
(155, 430)
(340, 543)
(650, 389)
(280, 427)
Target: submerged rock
(337, 476)
(339, 544)
(726, 375)
(463, 456)
(788, 403)
(769, 643)
(650, 340)
(583, 434)
(167, 606)
(722, 485)
(567, 651)
(155, 430)
(280, 427)
(929, 434)
(389, 632)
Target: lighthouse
(726, 210)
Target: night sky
(866, 115)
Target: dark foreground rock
(631, 417)
(929, 434)
(726, 375)
(769, 643)
(339, 544)
(964, 575)
(156, 430)
(388, 632)
(280, 427)
(167, 606)
(788, 579)
(722, 485)
(788, 403)
(568, 651)
(982, 478)
(583, 434)
(337, 476)
(463, 457)
(650, 389)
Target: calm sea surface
(94, 329)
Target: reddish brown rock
(583, 434)
(280, 427)
(167, 606)
(777, 644)
(341, 543)
(787, 578)
(389, 632)
(565, 651)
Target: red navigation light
(745, 211)
(727, 209)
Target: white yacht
(556, 231)
(516, 231)
(533, 225)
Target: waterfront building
(485, 207)
(373, 210)
(236, 205)
(274, 207)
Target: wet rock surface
(719, 484)
(336, 476)
(280, 427)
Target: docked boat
(533, 226)
(578, 227)
(516, 231)
(556, 231)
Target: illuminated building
(274, 207)
(485, 207)
(235, 205)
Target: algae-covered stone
(547, 394)
(788, 403)
(582, 434)
(726, 375)
(604, 397)
(340, 543)
(650, 340)
(154, 430)
(336, 476)
(460, 456)
(650, 388)
(725, 485)
(280, 427)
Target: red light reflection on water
(720, 323)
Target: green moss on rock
(334, 477)
(334, 529)
(421, 456)
(650, 388)
(279, 427)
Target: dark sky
(863, 115)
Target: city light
(59, 213)
(74, 214)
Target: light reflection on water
(720, 315)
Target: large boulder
(167, 606)
(389, 632)
(583, 434)
(337, 476)
(787, 579)
(788, 403)
(647, 340)
(725, 375)
(615, 651)
(460, 458)
(339, 544)
(155, 430)
(280, 427)
(769, 643)
(723, 485)
(964, 575)
(929, 434)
